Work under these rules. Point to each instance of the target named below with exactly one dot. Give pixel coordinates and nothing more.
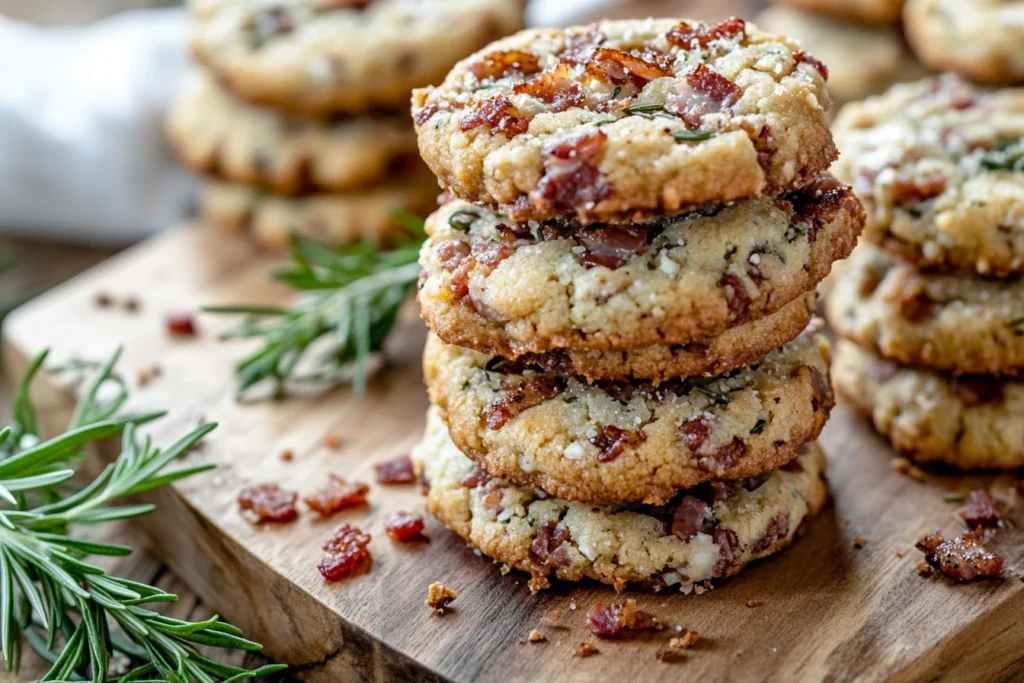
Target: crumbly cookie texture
(509, 288)
(626, 119)
(981, 39)
(336, 219)
(950, 322)
(867, 11)
(706, 533)
(939, 165)
(213, 133)
(617, 441)
(318, 57)
(862, 60)
(970, 422)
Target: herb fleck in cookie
(950, 322)
(626, 119)
(509, 288)
(868, 11)
(706, 533)
(981, 39)
(969, 422)
(213, 133)
(318, 57)
(939, 165)
(627, 440)
(330, 218)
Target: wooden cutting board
(828, 610)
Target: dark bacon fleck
(498, 114)
(549, 545)
(819, 390)
(611, 246)
(404, 527)
(451, 253)
(695, 431)
(521, 394)
(803, 58)
(496, 64)
(269, 502)
(491, 254)
(620, 620)
(396, 471)
(727, 542)
(555, 88)
(338, 495)
(693, 516)
(347, 553)
(910, 296)
(620, 390)
(981, 510)
(571, 178)
(475, 477)
(906, 192)
(180, 325)
(963, 558)
(690, 37)
(611, 441)
(778, 528)
(724, 458)
(709, 92)
(978, 390)
(737, 297)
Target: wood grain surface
(828, 610)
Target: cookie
(862, 60)
(708, 533)
(981, 39)
(213, 133)
(939, 165)
(330, 218)
(867, 11)
(319, 57)
(626, 119)
(969, 422)
(627, 440)
(507, 289)
(951, 322)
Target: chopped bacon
(550, 545)
(963, 558)
(347, 553)
(579, 45)
(325, 5)
(724, 458)
(978, 390)
(709, 92)
(498, 114)
(571, 177)
(817, 204)
(981, 510)
(905, 192)
(820, 390)
(475, 477)
(180, 325)
(690, 37)
(611, 441)
(622, 68)
(451, 253)
(521, 394)
(496, 64)
(777, 528)
(910, 296)
(490, 253)
(404, 527)
(425, 114)
(693, 516)
(396, 471)
(338, 495)
(611, 246)
(727, 542)
(620, 390)
(695, 431)
(803, 58)
(736, 294)
(270, 502)
(620, 620)
(555, 88)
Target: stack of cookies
(930, 308)
(618, 288)
(296, 117)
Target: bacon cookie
(867, 11)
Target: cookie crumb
(736, 655)
(504, 569)
(685, 641)
(859, 542)
(439, 596)
(287, 455)
(586, 649)
(753, 603)
(332, 441)
(699, 589)
(924, 569)
(899, 553)
(142, 376)
(536, 637)
(904, 466)
(103, 300)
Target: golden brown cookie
(868, 11)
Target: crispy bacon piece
(490, 253)
(451, 253)
(814, 206)
(611, 246)
(425, 114)
(963, 558)
(737, 297)
(519, 394)
(724, 458)
(695, 431)
(978, 390)
(496, 64)
(611, 441)
(270, 502)
(555, 88)
(777, 528)
(180, 325)
(693, 516)
(571, 178)
(338, 495)
(404, 527)
(981, 510)
(910, 296)
(906, 192)
(622, 68)
(620, 620)
(499, 115)
(819, 390)
(689, 37)
(347, 553)
(550, 545)
(709, 92)
(396, 471)
(727, 542)
(475, 477)
(803, 58)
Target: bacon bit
(496, 64)
(981, 510)
(859, 542)
(586, 649)
(724, 490)
(332, 441)
(906, 192)
(611, 246)
(802, 57)
(727, 542)
(670, 655)
(777, 528)
(924, 569)
(491, 254)
(693, 516)
(620, 390)
(736, 295)
(475, 477)
(978, 390)
(910, 297)
(725, 457)
(270, 502)
(287, 455)
(820, 390)
(103, 300)
(709, 93)
(439, 596)
(498, 114)
(396, 471)
(521, 394)
(695, 431)
(688, 37)
(579, 45)
(536, 637)
(550, 545)
(180, 325)
(338, 495)
(132, 304)
(554, 88)
(753, 603)
(963, 558)
(611, 441)
(404, 527)
(571, 177)
(425, 114)
(621, 68)
(620, 620)
(347, 553)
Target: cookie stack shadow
(930, 308)
(298, 114)
(624, 375)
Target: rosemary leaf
(716, 398)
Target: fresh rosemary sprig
(71, 612)
(348, 305)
